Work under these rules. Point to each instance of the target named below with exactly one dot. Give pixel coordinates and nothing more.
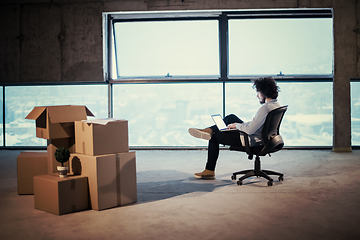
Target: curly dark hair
(267, 86)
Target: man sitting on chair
(267, 93)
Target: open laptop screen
(219, 121)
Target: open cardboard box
(54, 122)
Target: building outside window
(297, 51)
(168, 71)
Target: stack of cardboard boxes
(56, 124)
(102, 170)
(102, 154)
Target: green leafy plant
(62, 155)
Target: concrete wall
(61, 41)
(43, 42)
(346, 66)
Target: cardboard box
(126, 178)
(52, 145)
(61, 195)
(101, 136)
(112, 178)
(101, 173)
(30, 164)
(54, 122)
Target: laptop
(220, 123)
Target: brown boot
(206, 174)
(205, 133)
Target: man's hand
(231, 126)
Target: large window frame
(223, 17)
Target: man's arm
(255, 124)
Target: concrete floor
(319, 199)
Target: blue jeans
(226, 138)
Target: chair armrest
(247, 144)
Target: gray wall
(61, 41)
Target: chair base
(258, 173)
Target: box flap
(89, 113)
(68, 113)
(102, 121)
(35, 113)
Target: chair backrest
(271, 138)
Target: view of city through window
(159, 114)
(20, 100)
(355, 113)
(154, 122)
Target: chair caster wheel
(281, 178)
(270, 183)
(233, 177)
(239, 183)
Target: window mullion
(223, 46)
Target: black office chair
(271, 142)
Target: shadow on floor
(162, 184)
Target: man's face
(261, 97)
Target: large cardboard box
(52, 145)
(126, 178)
(61, 195)
(30, 164)
(101, 173)
(54, 122)
(112, 178)
(101, 136)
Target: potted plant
(62, 155)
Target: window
(224, 45)
(20, 100)
(1, 119)
(182, 66)
(280, 47)
(355, 113)
(308, 120)
(170, 70)
(160, 114)
(167, 49)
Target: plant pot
(62, 171)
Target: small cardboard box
(112, 178)
(30, 164)
(101, 173)
(61, 195)
(52, 145)
(54, 122)
(101, 136)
